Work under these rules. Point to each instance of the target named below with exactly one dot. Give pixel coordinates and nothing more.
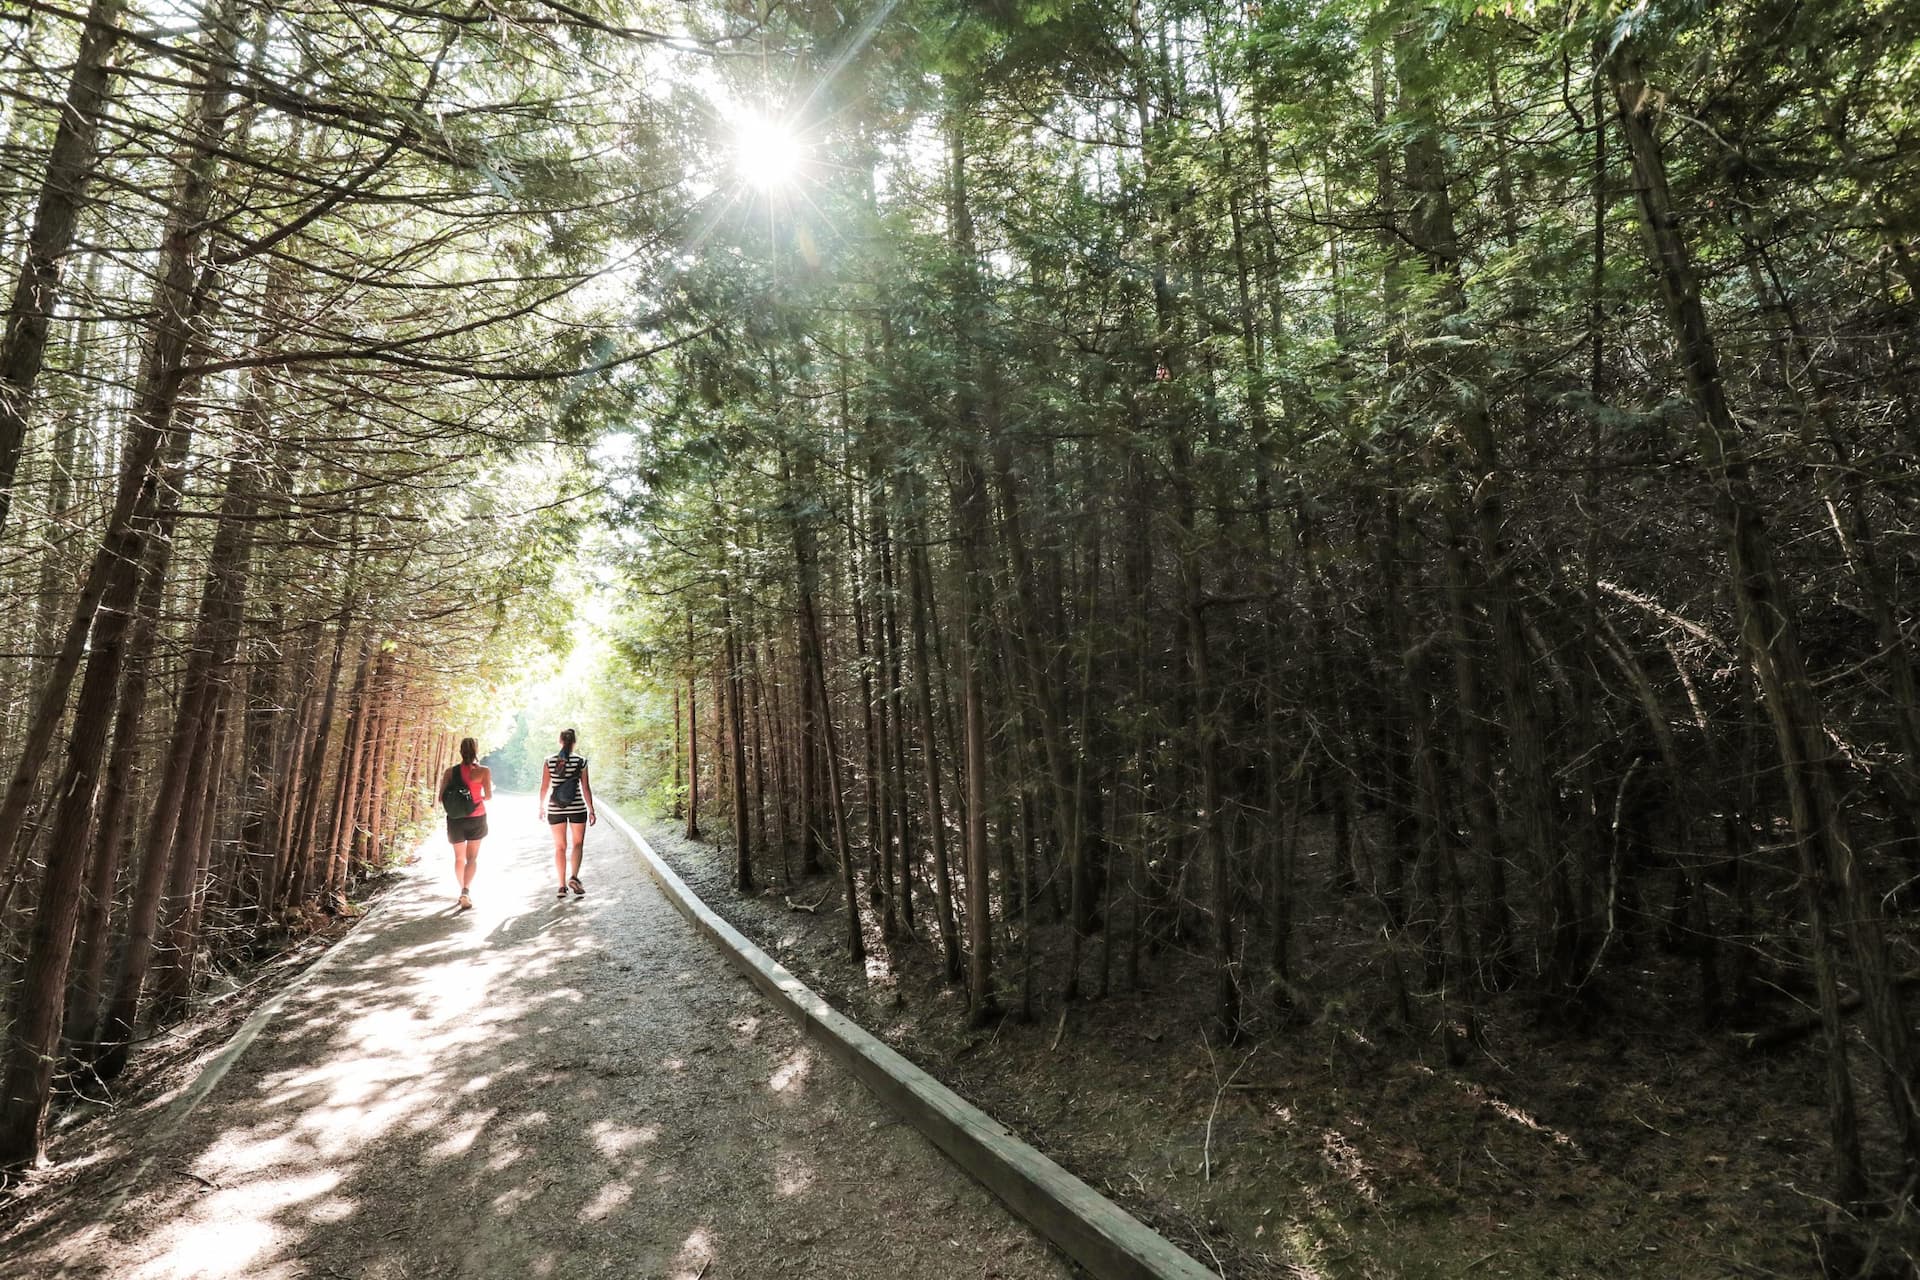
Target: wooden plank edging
(1089, 1228)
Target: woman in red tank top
(466, 833)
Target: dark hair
(469, 750)
(567, 738)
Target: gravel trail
(542, 1088)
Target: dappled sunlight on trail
(542, 1087)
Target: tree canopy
(1201, 477)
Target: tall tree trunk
(1809, 767)
(757, 717)
(971, 520)
(291, 889)
(1433, 233)
(807, 763)
(346, 804)
(888, 625)
(737, 730)
(780, 742)
(172, 979)
(117, 796)
(71, 162)
(693, 741)
(62, 507)
(872, 737)
(816, 675)
(289, 773)
(215, 641)
(1476, 753)
(34, 1021)
(679, 754)
(936, 818)
(180, 297)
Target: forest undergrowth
(1342, 1143)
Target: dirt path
(542, 1088)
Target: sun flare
(766, 151)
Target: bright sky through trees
(767, 153)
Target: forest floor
(537, 1087)
(1339, 1147)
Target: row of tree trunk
(249, 619)
(1469, 599)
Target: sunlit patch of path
(544, 1088)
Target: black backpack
(566, 791)
(455, 796)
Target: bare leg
(471, 864)
(579, 830)
(560, 851)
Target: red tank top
(469, 774)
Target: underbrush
(1350, 1131)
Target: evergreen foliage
(1223, 476)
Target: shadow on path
(543, 1088)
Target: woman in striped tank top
(566, 802)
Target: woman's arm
(486, 783)
(540, 809)
(587, 791)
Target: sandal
(563, 891)
(465, 903)
(579, 890)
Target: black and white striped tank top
(561, 770)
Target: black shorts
(577, 819)
(461, 830)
